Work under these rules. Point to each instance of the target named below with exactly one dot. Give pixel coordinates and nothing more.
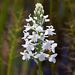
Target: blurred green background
(12, 20)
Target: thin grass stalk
(10, 58)
(25, 67)
(3, 16)
(16, 27)
(51, 3)
(74, 72)
(69, 3)
(13, 40)
(1, 64)
(72, 27)
(21, 3)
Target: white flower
(35, 18)
(25, 55)
(42, 37)
(25, 34)
(34, 26)
(41, 56)
(27, 27)
(51, 27)
(30, 18)
(46, 16)
(38, 12)
(47, 45)
(34, 12)
(34, 37)
(39, 29)
(41, 15)
(52, 58)
(30, 53)
(38, 5)
(38, 9)
(28, 45)
(47, 20)
(50, 31)
(53, 47)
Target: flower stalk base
(39, 65)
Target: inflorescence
(37, 46)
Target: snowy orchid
(28, 27)
(41, 56)
(50, 30)
(25, 34)
(47, 45)
(36, 42)
(25, 55)
(39, 29)
(28, 45)
(34, 37)
(52, 58)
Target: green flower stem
(40, 1)
(39, 65)
(39, 62)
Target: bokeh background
(12, 20)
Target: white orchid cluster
(36, 43)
